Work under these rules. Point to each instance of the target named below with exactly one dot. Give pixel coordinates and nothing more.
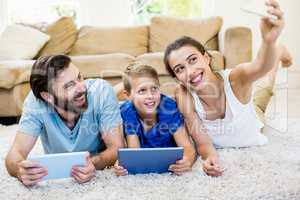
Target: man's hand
(181, 166)
(119, 170)
(271, 28)
(184, 101)
(86, 173)
(212, 167)
(30, 173)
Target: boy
(151, 119)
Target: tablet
(257, 7)
(60, 165)
(149, 160)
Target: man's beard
(69, 106)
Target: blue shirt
(102, 114)
(169, 119)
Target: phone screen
(257, 7)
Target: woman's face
(191, 67)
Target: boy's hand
(212, 167)
(86, 173)
(30, 173)
(181, 166)
(271, 28)
(119, 170)
(184, 101)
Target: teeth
(149, 104)
(80, 98)
(197, 79)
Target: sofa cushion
(21, 42)
(101, 40)
(108, 65)
(164, 30)
(217, 60)
(213, 43)
(63, 35)
(156, 60)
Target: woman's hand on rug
(84, 174)
(211, 167)
(181, 166)
(30, 173)
(119, 170)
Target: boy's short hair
(137, 70)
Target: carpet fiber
(269, 172)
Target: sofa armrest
(237, 46)
(14, 72)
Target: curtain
(105, 13)
(208, 8)
(3, 15)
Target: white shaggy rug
(271, 172)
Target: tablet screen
(60, 165)
(149, 160)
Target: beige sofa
(106, 51)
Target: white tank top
(239, 128)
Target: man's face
(145, 95)
(191, 67)
(69, 91)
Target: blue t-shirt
(102, 114)
(169, 119)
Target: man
(70, 115)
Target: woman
(222, 104)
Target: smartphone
(257, 7)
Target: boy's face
(191, 67)
(145, 95)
